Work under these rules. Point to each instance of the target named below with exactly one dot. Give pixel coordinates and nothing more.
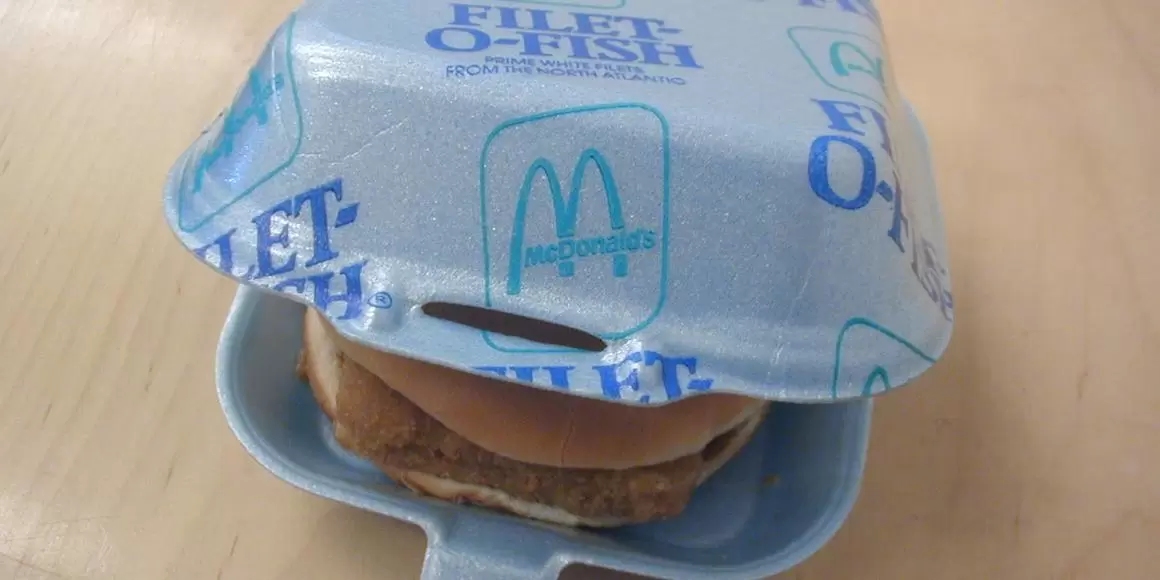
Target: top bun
(542, 427)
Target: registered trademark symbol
(381, 300)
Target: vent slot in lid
(540, 331)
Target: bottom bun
(379, 424)
(453, 491)
(446, 489)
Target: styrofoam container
(746, 206)
(771, 507)
(725, 196)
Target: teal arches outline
(575, 4)
(790, 33)
(181, 193)
(666, 162)
(566, 210)
(879, 373)
(844, 70)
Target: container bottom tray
(770, 508)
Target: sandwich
(535, 453)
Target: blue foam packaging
(770, 508)
(729, 196)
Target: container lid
(633, 200)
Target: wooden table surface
(1029, 452)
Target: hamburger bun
(353, 397)
(550, 428)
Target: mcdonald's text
(593, 247)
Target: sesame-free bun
(442, 488)
(542, 427)
(330, 373)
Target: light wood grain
(1030, 452)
